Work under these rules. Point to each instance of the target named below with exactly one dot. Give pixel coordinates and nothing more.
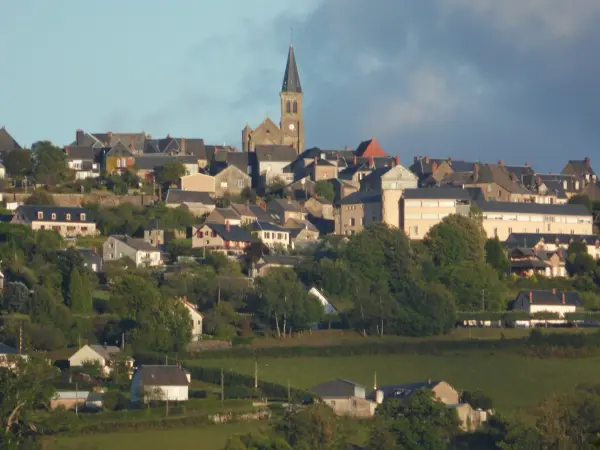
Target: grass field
(344, 337)
(515, 383)
(206, 438)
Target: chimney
(347, 148)
(450, 161)
(526, 163)
(475, 172)
(168, 135)
(67, 149)
(110, 135)
(587, 162)
(227, 228)
(434, 167)
(183, 145)
(131, 146)
(530, 297)
(501, 162)
(316, 158)
(563, 298)
(427, 160)
(539, 180)
(94, 250)
(79, 136)
(397, 160)
(429, 381)
(553, 291)
(355, 160)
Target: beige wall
(420, 215)
(446, 393)
(390, 210)
(324, 173)
(274, 238)
(204, 237)
(69, 403)
(66, 229)
(352, 219)
(198, 182)
(352, 406)
(231, 181)
(503, 224)
(86, 354)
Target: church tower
(292, 123)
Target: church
(290, 131)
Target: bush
(115, 401)
(197, 393)
(477, 400)
(45, 337)
(239, 391)
(241, 340)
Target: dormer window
(564, 185)
(577, 185)
(53, 216)
(82, 217)
(68, 216)
(40, 215)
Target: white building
(160, 383)
(196, 317)
(329, 308)
(100, 354)
(139, 251)
(558, 302)
(271, 235)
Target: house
(282, 210)
(224, 237)
(250, 213)
(423, 208)
(531, 261)
(547, 188)
(500, 219)
(198, 203)
(370, 148)
(196, 318)
(329, 308)
(224, 215)
(100, 354)
(91, 259)
(271, 162)
(346, 398)
(343, 188)
(554, 301)
(441, 390)
(356, 211)
(146, 164)
(554, 242)
(133, 141)
(199, 182)
(268, 262)
(319, 207)
(301, 189)
(321, 169)
(70, 399)
(160, 383)
(231, 181)
(301, 231)
(271, 235)
(178, 146)
(8, 355)
(67, 221)
(138, 250)
(7, 142)
(83, 161)
(118, 159)
(583, 173)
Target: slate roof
(337, 388)
(531, 239)
(89, 256)
(235, 233)
(7, 142)
(533, 208)
(287, 205)
(540, 297)
(361, 197)
(405, 390)
(580, 166)
(8, 350)
(291, 78)
(260, 213)
(30, 212)
(119, 150)
(193, 146)
(107, 352)
(226, 213)
(442, 193)
(135, 243)
(267, 226)
(278, 153)
(162, 376)
(149, 162)
(299, 225)
(176, 196)
(280, 260)
(81, 153)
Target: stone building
(290, 130)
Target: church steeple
(291, 79)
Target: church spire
(291, 79)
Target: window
(241, 184)
(295, 107)
(489, 188)
(82, 217)
(288, 107)
(415, 230)
(577, 185)
(53, 216)
(352, 221)
(40, 215)
(499, 193)
(572, 231)
(537, 230)
(223, 184)
(68, 216)
(278, 235)
(83, 228)
(199, 322)
(509, 230)
(354, 403)
(495, 232)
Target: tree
(581, 200)
(50, 164)
(324, 189)
(87, 301)
(16, 297)
(40, 198)
(76, 292)
(169, 174)
(256, 441)
(456, 239)
(477, 400)
(22, 389)
(312, 428)
(18, 163)
(248, 195)
(495, 256)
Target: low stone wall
(229, 417)
(104, 199)
(208, 345)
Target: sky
(517, 80)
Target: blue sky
(517, 80)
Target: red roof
(370, 148)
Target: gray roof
(291, 78)
(181, 196)
(135, 243)
(531, 239)
(162, 376)
(7, 350)
(280, 260)
(106, 351)
(287, 205)
(81, 153)
(437, 193)
(277, 153)
(260, 213)
(89, 256)
(119, 150)
(31, 213)
(267, 226)
(226, 213)
(361, 197)
(540, 297)
(533, 208)
(405, 390)
(7, 142)
(235, 232)
(186, 146)
(149, 162)
(336, 388)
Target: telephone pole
(222, 388)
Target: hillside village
(121, 250)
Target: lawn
(514, 382)
(212, 437)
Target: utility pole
(289, 393)
(255, 374)
(21, 338)
(381, 314)
(222, 388)
(76, 399)
(483, 299)
(122, 341)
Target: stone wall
(104, 199)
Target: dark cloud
(513, 79)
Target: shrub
(477, 400)
(115, 401)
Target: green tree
(456, 239)
(495, 255)
(169, 174)
(477, 400)
(312, 428)
(581, 200)
(248, 195)
(256, 441)
(324, 189)
(40, 197)
(87, 301)
(16, 298)
(76, 292)
(18, 163)
(50, 164)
